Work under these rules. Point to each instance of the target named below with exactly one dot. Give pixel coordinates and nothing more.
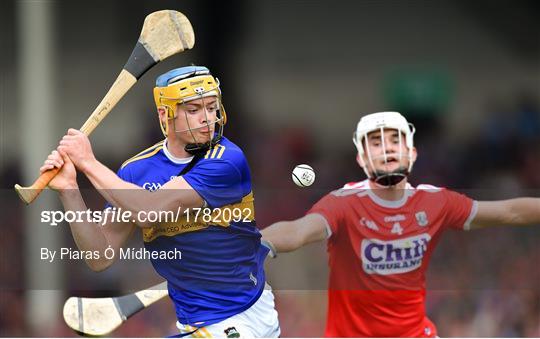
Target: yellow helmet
(184, 84)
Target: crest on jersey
(231, 332)
(421, 218)
(427, 331)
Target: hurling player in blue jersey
(218, 284)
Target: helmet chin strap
(389, 179)
(201, 148)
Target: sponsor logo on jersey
(395, 256)
(369, 224)
(151, 186)
(421, 218)
(394, 218)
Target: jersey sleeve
(218, 182)
(331, 209)
(460, 210)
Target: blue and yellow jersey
(221, 270)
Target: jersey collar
(173, 158)
(409, 191)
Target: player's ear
(414, 154)
(162, 113)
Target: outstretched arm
(287, 236)
(519, 211)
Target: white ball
(303, 175)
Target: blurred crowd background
(296, 77)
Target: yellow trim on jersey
(194, 330)
(216, 152)
(198, 332)
(222, 216)
(221, 152)
(142, 152)
(148, 149)
(205, 332)
(144, 156)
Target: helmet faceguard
(380, 122)
(182, 85)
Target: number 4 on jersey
(396, 229)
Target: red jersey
(378, 254)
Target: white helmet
(379, 122)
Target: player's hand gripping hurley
(164, 33)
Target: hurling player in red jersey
(382, 231)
